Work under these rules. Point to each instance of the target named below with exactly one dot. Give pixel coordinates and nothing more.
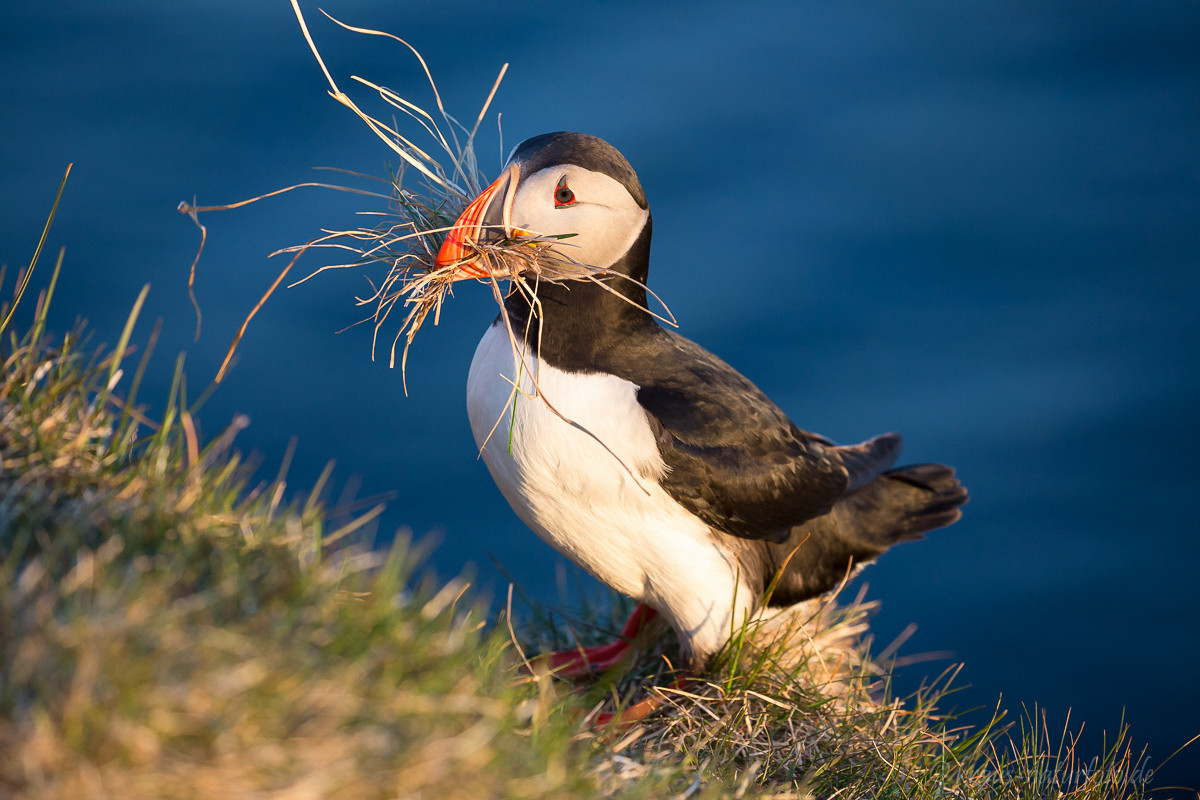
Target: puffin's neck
(581, 323)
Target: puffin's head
(568, 185)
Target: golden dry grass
(168, 630)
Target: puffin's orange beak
(485, 219)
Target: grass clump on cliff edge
(168, 630)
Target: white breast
(591, 490)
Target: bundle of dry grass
(425, 196)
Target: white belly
(603, 510)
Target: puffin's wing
(733, 457)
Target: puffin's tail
(900, 505)
(913, 500)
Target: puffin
(638, 454)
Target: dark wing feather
(734, 459)
(867, 461)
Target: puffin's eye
(563, 196)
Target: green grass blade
(37, 253)
(119, 353)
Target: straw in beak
(485, 220)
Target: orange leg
(585, 660)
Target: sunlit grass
(796, 706)
(168, 629)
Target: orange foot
(586, 660)
(638, 711)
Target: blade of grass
(119, 353)
(23, 283)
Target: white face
(604, 217)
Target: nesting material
(424, 197)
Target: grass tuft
(170, 629)
(795, 706)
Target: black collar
(583, 326)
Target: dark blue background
(979, 226)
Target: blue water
(979, 226)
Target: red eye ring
(563, 196)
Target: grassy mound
(168, 630)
